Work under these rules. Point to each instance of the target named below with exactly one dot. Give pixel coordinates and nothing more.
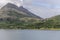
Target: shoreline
(49, 29)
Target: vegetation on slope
(30, 24)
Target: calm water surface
(29, 35)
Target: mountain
(12, 16)
(13, 10)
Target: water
(29, 35)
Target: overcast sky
(43, 8)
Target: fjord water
(29, 35)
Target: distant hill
(52, 22)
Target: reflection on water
(29, 35)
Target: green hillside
(55, 21)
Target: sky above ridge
(42, 8)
